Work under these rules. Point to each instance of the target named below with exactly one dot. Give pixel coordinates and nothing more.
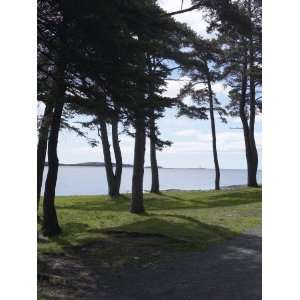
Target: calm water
(74, 180)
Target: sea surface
(74, 180)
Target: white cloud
(219, 87)
(226, 142)
(258, 118)
(188, 101)
(173, 87)
(187, 132)
(189, 147)
(234, 141)
(237, 120)
(40, 108)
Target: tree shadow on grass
(69, 230)
(187, 231)
(119, 204)
(167, 201)
(219, 199)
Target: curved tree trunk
(42, 148)
(214, 139)
(118, 157)
(137, 203)
(252, 182)
(153, 160)
(50, 222)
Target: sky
(192, 146)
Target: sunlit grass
(189, 218)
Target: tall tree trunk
(107, 157)
(118, 156)
(50, 222)
(153, 160)
(214, 139)
(252, 144)
(113, 177)
(42, 148)
(254, 156)
(246, 129)
(137, 203)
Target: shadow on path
(228, 271)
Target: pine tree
(242, 67)
(202, 68)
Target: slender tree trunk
(113, 178)
(118, 156)
(137, 203)
(42, 148)
(107, 157)
(214, 139)
(153, 160)
(254, 156)
(50, 222)
(246, 129)
(253, 150)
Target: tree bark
(214, 139)
(113, 178)
(118, 157)
(153, 160)
(254, 156)
(50, 221)
(107, 157)
(42, 148)
(246, 129)
(137, 203)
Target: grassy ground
(185, 219)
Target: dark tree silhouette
(113, 177)
(242, 67)
(202, 67)
(42, 147)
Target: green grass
(190, 218)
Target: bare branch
(196, 6)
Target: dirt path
(231, 270)
(227, 271)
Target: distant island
(102, 164)
(148, 167)
(90, 164)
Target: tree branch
(196, 6)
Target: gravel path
(228, 271)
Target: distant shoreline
(89, 164)
(101, 164)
